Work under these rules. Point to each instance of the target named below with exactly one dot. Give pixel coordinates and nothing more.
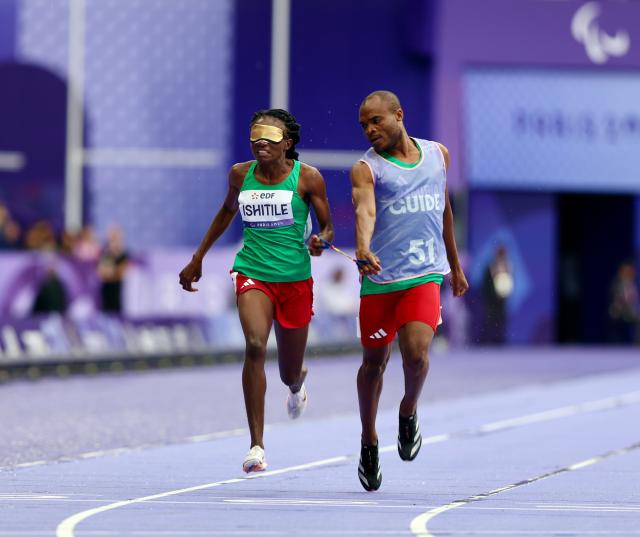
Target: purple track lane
(516, 442)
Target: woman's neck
(274, 171)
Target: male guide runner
(404, 229)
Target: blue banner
(552, 130)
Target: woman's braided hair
(291, 125)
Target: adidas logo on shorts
(378, 334)
(248, 282)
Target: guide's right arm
(364, 201)
(193, 271)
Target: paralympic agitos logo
(598, 44)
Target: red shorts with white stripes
(381, 316)
(292, 301)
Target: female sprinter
(272, 271)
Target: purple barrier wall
(7, 29)
(637, 238)
(34, 128)
(63, 339)
(158, 317)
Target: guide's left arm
(315, 192)
(459, 284)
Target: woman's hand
(190, 274)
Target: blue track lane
(473, 446)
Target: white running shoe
(255, 460)
(296, 403)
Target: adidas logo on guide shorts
(378, 335)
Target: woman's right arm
(193, 271)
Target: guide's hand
(190, 274)
(372, 265)
(459, 284)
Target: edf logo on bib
(262, 195)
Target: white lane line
(608, 403)
(224, 434)
(28, 464)
(323, 502)
(590, 507)
(320, 533)
(571, 533)
(294, 501)
(29, 496)
(419, 525)
(122, 450)
(67, 526)
(210, 533)
(598, 405)
(346, 533)
(435, 439)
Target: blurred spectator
(85, 246)
(67, 241)
(624, 307)
(51, 296)
(338, 303)
(9, 230)
(570, 297)
(112, 267)
(497, 286)
(40, 236)
(338, 296)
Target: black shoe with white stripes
(409, 438)
(369, 468)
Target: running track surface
(519, 442)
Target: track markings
(66, 527)
(5, 496)
(300, 501)
(419, 524)
(608, 403)
(122, 450)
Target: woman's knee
(256, 348)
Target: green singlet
(274, 218)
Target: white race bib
(266, 208)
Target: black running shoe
(369, 468)
(409, 438)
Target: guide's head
(381, 118)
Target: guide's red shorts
(381, 316)
(292, 301)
